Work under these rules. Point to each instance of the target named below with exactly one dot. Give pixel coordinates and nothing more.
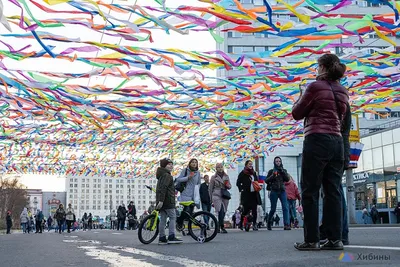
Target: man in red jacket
(292, 192)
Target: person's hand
(159, 205)
(191, 175)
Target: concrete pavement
(370, 246)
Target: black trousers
(323, 162)
(39, 227)
(183, 215)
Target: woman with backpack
(186, 184)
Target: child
(165, 198)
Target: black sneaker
(173, 240)
(287, 227)
(255, 228)
(333, 245)
(307, 246)
(163, 240)
(345, 242)
(269, 226)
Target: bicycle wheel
(147, 232)
(198, 228)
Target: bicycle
(149, 226)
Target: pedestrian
(165, 198)
(293, 194)
(365, 215)
(250, 198)
(85, 221)
(70, 215)
(275, 181)
(31, 223)
(39, 219)
(8, 222)
(397, 212)
(189, 178)
(113, 219)
(49, 223)
(60, 217)
(234, 220)
(24, 219)
(205, 197)
(277, 219)
(374, 214)
(323, 107)
(121, 215)
(90, 220)
(220, 196)
(260, 213)
(132, 209)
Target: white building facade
(35, 200)
(99, 194)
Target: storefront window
(388, 157)
(377, 157)
(391, 193)
(381, 195)
(376, 140)
(367, 160)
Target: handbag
(180, 187)
(256, 186)
(225, 193)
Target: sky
(198, 41)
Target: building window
(71, 185)
(71, 190)
(75, 185)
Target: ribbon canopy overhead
(87, 87)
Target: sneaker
(163, 240)
(223, 231)
(255, 228)
(307, 246)
(287, 227)
(332, 245)
(345, 242)
(269, 226)
(173, 240)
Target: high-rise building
(100, 195)
(237, 44)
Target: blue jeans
(292, 210)
(345, 225)
(281, 195)
(24, 227)
(206, 207)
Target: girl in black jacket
(249, 198)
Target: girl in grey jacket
(192, 177)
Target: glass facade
(379, 166)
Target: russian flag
(355, 152)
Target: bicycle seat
(186, 203)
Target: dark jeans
(9, 228)
(121, 224)
(206, 207)
(69, 223)
(39, 228)
(323, 162)
(60, 225)
(281, 195)
(221, 216)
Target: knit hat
(165, 162)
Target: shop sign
(357, 178)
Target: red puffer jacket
(318, 107)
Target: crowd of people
(324, 107)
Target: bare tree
(13, 197)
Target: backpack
(180, 186)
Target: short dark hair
(247, 162)
(334, 68)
